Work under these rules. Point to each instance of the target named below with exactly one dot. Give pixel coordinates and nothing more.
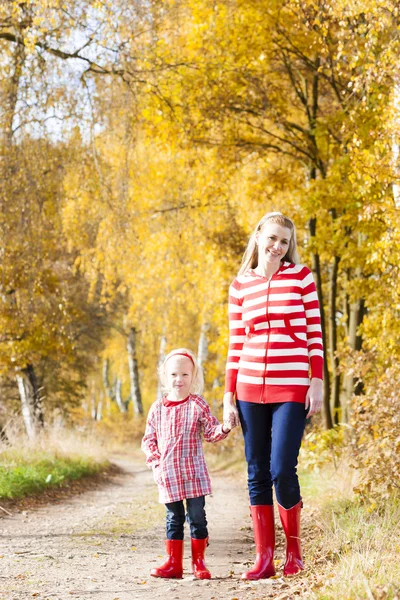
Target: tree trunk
(27, 405)
(312, 226)
(106, 380)
(12, 94)
(114, 394)
(202, 352)
(161, 358)
(123, 406)
(335, 399)
(97, 406)
(352, 386)
(216, 389)
(37, 399)
(94, 404)
(396, 148)
(134, 373)
(99, 409)
(316, 269)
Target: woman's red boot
(290, 519)
(173, 567)
(264, 537)
(198, 565)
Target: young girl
(173, 448)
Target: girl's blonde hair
(197, 385)
(250, 257)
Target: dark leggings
(272, 437)
(196, 517)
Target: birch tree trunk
(134, 373)
(122, 405)
(215, 394)
(37, 399)
(27, 405)
(97, 405)
(11, 100)
(396, 146)
(99, 409)
(202, 351)
(106, 380)
(161, 358)
(114, 393)
(94, 405)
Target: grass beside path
(351, 552)
(51, 461)
(42, 472)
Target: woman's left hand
(314, 397)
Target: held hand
(231, 415)
(314, 397)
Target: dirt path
(102, 544)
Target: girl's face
(273, 243)
(179, 375)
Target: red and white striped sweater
(275, 340)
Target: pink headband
(180, 354)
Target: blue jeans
(196, 517)
(272, 438)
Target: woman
(274, 372)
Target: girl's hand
(314, 397)
(231, 415)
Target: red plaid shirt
(173, 447)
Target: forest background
(140, 144)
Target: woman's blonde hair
(250, 257)
(197, 384)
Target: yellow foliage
(183, 124)
(375, 440)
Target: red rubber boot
(290, 519)
(173, 567)
(199, 566)
(264, 537)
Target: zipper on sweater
(266, 348)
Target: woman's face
(273, 243)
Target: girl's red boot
(173, 567)
(199, 566)
(264, 537)
(290, 519)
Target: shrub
(321, 446)
(375, 439)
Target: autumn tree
(303, 91)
